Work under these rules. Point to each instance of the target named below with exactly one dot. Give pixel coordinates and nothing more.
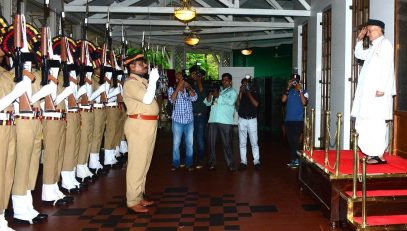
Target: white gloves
(152, 84)
(154, 76)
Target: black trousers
(293, 131)
(226, 135)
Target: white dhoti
(372, 136)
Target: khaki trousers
(53, 132)
(141, 136)
(87, 123)
(72, 141)
(28, 135)
(7, 163)
(112, 125)
(98, 129)
(120, 131)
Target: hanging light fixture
(185, 12)
(192, 39)
(247, 50)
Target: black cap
(374, 22)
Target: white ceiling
(224, 24)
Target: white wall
(384, 11)
(341, 56)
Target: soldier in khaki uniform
(140, 129)
(8, 144)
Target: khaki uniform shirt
(6, 85)
(134, 90)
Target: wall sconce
(185, 13)
(191, 40)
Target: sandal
(375, 160)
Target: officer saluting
(140, 128)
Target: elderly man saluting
(373, 103)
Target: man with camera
(295, 98)
(200, 111)
(247, 104)
(222, 104)
(182, 120)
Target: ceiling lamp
(246, 51)
(185, 13)
(191, 40)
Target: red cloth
(394, 164)
(377, 193)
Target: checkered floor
(175, 208)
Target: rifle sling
(29, 74)
(72, 79)
(53, 79)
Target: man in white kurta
(373, 103)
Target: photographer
(200, 112)
(295, 98)
(182, 119)
(247, 104)
(222, 105)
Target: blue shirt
(182, 107)
(223, 107)
(294, 107)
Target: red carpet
(383, 220)
(395, 164)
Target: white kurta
(377, 74)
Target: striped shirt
(182, 107)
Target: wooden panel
(400, 138)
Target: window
(326, 70)
(360, 15)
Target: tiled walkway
(266, 199)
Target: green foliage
(208, 64)
(154, 57)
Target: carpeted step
(387, 220)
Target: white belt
(52, 114)
(98, 105)
(32, 114)
(72, 110)
(113, 104)
(85, 107)
(4, 116)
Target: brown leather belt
(144, 117)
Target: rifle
(24, 102)
(84, 68)
(104, 68)
(45, 64)
(64, 63)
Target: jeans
(248, 126)
(294, 130)
(178, 130)
(199, 137)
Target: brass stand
(338, 142)
(355, 163)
